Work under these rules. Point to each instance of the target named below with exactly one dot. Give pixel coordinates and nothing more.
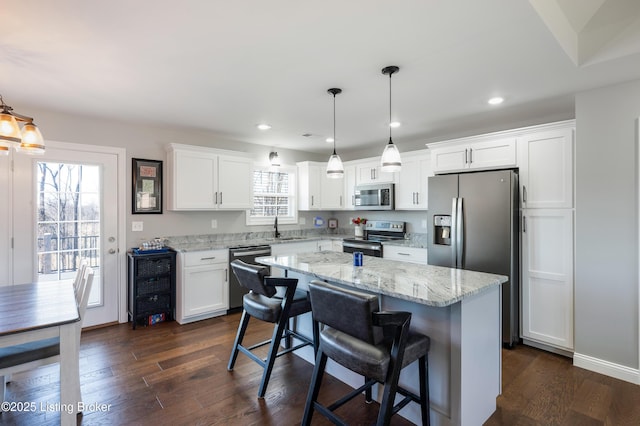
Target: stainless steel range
(376, 231)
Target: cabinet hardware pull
(466, 157)
(220, 197)
(208, 258)
(470, 155)
(226, 274)
(216, 197)
(417, 198)
(373, 176)
(524, 224)
(524, 194)
(404, 254)
(341, 201)
(353, 200)
(312, 203)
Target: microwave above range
(374, 197)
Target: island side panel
(476, 357)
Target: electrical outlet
(303, 221)
(214, 223)
(137, 226)
(424, 223)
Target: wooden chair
(15, 359)
(369, 342)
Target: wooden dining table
(31, 312)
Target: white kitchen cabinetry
(325, 245)
(202, 178)
(412, 189)
(369, 172)
(202, 289)
(405, 254)
(473, 154)
(547, 277)
(291, 248)
(349, 187)
(545, 160)
(315, 190)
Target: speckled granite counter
(424, 284)
(414, 240)
(191, 243)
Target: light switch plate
(214, 223)
(137, 226)
(424, 223)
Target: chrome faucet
(276, 234)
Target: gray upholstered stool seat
(369, 360)
(27, 352)
(374, 344)
(264, 303)
(269, 308)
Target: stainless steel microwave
(374, 197)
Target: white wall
(149, 142)
(606, 287)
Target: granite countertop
(406, 243)
(424, 284)
(189, 244)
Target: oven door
(367, 248)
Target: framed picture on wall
(147, 186)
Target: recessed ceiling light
(495, 101)
(263, 126)
(329, 140)
(395, 124)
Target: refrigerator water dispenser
(442, 230)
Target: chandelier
(27, 140)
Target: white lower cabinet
(202, 289)
(547, 277)
(405, 254)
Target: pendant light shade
(335, 169)
(390, 160)
(29, 140)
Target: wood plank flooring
(169, 374)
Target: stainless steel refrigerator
(473, 224)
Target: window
(274, 192)
(68, 218)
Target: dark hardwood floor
(169, 374)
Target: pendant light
(390, 161)
(335, 169)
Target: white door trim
(121, 154)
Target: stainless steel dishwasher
(247, 254)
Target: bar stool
(264, 304)
(375, 344)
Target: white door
(65, 209)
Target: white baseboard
(631, 375)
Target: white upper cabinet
(349, 186)
(316, 191)
(546, 168)
(369, 172)
(411, 190)
(473, 154)
(201, 178)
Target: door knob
(112, 251)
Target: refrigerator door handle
(459, 235)
(454, 232)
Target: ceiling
(224, 66)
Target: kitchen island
(459, 310)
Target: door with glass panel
(65, 210)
